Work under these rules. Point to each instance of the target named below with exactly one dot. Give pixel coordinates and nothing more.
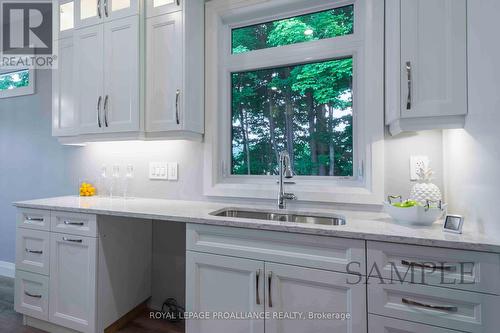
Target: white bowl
(417, 215)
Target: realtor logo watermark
(26, 34)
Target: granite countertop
(360, 224)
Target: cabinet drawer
(32, 250)
(452, 309)
(74, 223)
(32, 295)
(380, 324)
(33, 219)
(465, 270)
(327, 253)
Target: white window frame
(16, 92)
(365, 45)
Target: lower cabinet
(379, 324)
(272, 297)
(73, 281)
(32, 294)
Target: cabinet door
(89, 78)
(293, 289)
(163, 72)
(114, 9)
(224, 284)
(64, 115)
(379, 324)
(433, 58)
(64, 18)
(32, 250)
(160, 7)
(88, 12)
(121, 75)
(31, 295)
(73, 282)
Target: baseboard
(7, 269)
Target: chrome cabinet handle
(74, 223)
(72, 240)
(430, 306)
(408, 73)
(99, 100)
(106, 8)
(269, 287)
(177, 95)
(106, 111)
(34, 251)
(35, 219)
(32, 295)
(257, 289)
(425, 266)
(99, 8)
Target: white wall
(473, 154)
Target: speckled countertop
(360, 224)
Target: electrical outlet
(173, 171)
(158, 170)
(417, 163)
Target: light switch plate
(173, 171)
(416, 163)
(158, 170)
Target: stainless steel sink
(281, 217)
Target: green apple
(406, 204)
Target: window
(304, 109)
(305, 76)
(16, 82)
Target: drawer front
(31, 295)
(32, 250)
(327, 253)
(452, 309)
(464, 270)
(37, 219)
(74, 223)
(380, 324)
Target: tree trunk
(311, 115)
(272, 129)
(331, 141)
(322, 144)
(289, 119)
(244, 127)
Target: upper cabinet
(90, 12)
(426, 64)
(64, 18)
(124, 73)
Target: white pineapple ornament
(424, 189)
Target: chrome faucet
(285, 170)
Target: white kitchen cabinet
(73, 282)
(175, 71)
(159, 7)
(292, 289)
(224, 284)
(32, 294)
(163, 72)
(64, 18)
(89, 44)
(91, 12)
(379, 324)
(121, 75)
(32, 250)
(64, 115)
(426, 64)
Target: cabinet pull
(429, 306)
(74, 223)
(34, 219)
(32, 295)
(178, 2)
(106, 110)
(177, 95)
(106, 8)
(34, 251)
(257, 289)
(72, 240)
(99, 8)
(408, 73)
(99, 111)
(426, 266)
(269, 287)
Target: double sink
(332, 220)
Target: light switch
(157, 170)
(173, 171)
